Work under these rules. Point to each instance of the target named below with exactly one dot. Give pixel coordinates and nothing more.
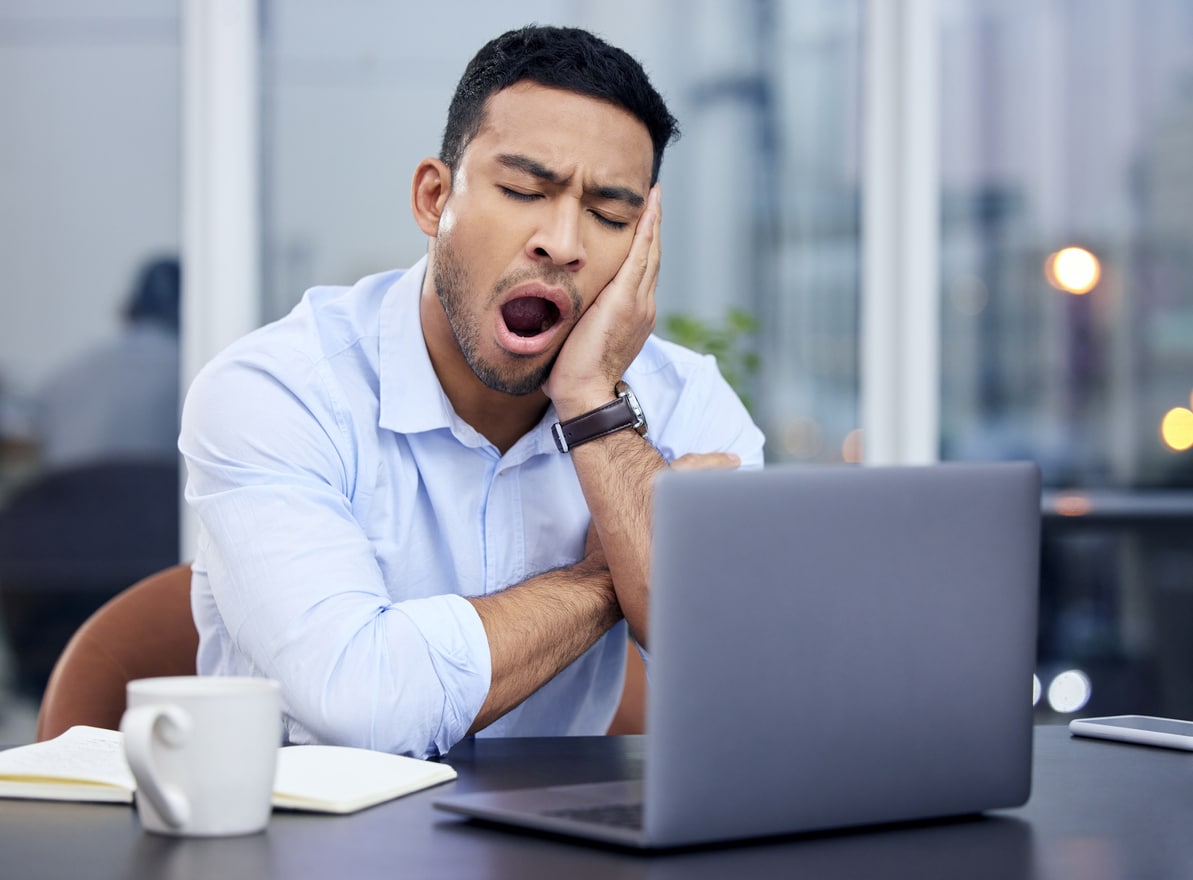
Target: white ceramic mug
(203, 751)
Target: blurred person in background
(120, 400)
(100, 509)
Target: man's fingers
(648, 276)
(612, 331)
(641, 266)
(645, 246)
(654, 252)
(706, 461)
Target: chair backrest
(70, 540)
(147, 630)
(630, 717)
(90, 528)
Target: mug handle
(143, 728)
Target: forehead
(566, 132)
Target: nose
(557, 238)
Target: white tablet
(1146, 730)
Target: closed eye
(519, 196)
(606, 222)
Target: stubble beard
(453, 286)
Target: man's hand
(614, 328)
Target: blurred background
(912, 230)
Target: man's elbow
(407, 710)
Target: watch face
(636, 408)
(616, 415)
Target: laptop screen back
(835, 646)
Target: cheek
(465, 235)
(447, 222)
(480, 229)
(604, 266)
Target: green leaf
(729, 342)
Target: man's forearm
(617, 476)
(537, 628)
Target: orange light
(1177, 429)
(1073, 270)
(1072, 505)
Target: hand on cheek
(614, 328)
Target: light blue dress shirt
(346, 511)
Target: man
(425, 500)
(119, 401)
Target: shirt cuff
(459, 651)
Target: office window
(90, 180)
(1067, 310)
(761, 191)
(807, 231)
(1064, 243)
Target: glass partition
(1067, 239)
(90, 182)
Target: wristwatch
(624, 412)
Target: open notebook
(830, 647)
(88, 764)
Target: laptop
(830, 647)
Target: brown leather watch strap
(617, 415)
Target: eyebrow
(525, 164)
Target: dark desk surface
(1098, 810)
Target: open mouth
(529, 316)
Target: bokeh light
(1177, 429)
(1073, 505)
(851, 447)
(1070, 691)
(1073, 270)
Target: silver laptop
(831, 646)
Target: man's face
(540, 217)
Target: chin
(515, 384)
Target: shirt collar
(411, 398)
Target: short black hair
(557, 57)
(156, 293)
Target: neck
(500, 418)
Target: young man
(425, 499)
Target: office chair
(69, 541)
(145, 631)
(630, 717)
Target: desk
(1098, 810)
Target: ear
(429, 190)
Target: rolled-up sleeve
(288, 584)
